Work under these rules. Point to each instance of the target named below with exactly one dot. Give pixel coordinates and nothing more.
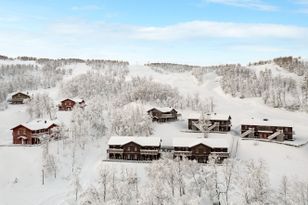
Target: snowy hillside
(111, 93)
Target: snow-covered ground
(20, 167)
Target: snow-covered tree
(254, 187)
(104, 181)
(131, 120)
(51, 166)
(94, 113)
(75, 182)
(80, 127)
(42, 106)
(299, 192)
(284, 196)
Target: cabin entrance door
(23, 141)
(263, 135)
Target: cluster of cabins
(199, 149)
(64, 105)
(37, 130)
(252, 128)
(149, 148)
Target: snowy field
(20, 170)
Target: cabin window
(135, 149)
(128, 149)
(18, 132)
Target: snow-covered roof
(73, 99)
(38, 124)
(265, 122)
(143, 141)
(10, 95)
(163, 109)
(190, 142)
(211, 116)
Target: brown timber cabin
(216, 122)
(200, 149)
(163, 114)
(32, 132)
(18, 98)
(68, 104)
(134, 148)
(265, 129)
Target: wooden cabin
(266, 129)
(214, 122)
(68, 104)
(163, 114)
(134, 148)
(18, 98)
(200, 149)
(32, 132)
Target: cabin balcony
(149, 152)
(167, 116)
(221, 154)
(182, 153)
(40, 134)
(115, 151)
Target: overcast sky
(179, 31)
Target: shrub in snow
(3, 106)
